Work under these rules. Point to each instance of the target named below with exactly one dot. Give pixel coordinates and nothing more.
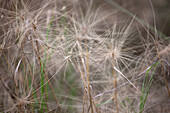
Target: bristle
(82, 56)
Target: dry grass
(84, 56)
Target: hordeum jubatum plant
(100, 59)
(65, 56)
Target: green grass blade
(146, 86)
(43, 66)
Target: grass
(74, 57)
(146, 86)
(43, 66)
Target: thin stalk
(88, 81)
(11, 73)
(115, 84)
(84, 83)
(43, 90)
(33, 82)
(84, 100)
(39, 60)
(48, 82)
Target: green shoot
(146, 86)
